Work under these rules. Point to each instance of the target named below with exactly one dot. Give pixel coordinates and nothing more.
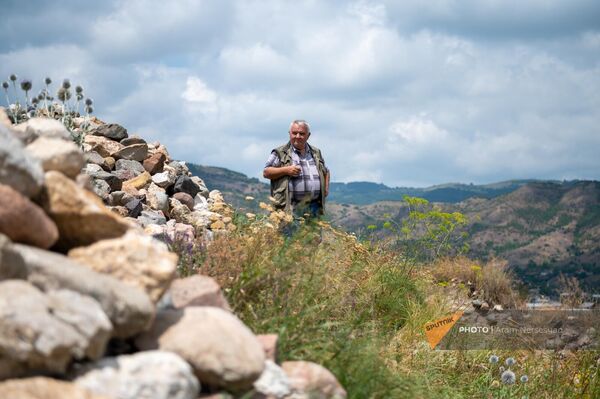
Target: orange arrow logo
(436, 330)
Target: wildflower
(5, 85)
(78, 89)
(26, 85)
(48, 80)
(495, 384)
(89, 109)
(35, 101)
(494, 359)
(41, 95)
(510, 362)
(79, 96)
(502, 368)
(13, 77)
(66, 84)
(508, 377)
(89, 102)
(524, 379)
(63, 94)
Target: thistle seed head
(63, 94)
(79, 96)
(524, 379)
(494, 359)
(510, 361)
(508, 377)
(48, 80)
(66, 84)
(13, 77)
(89, 109)
(5, 85)
(26, 85)
(34, 100)
(78, 89)
(89, 101)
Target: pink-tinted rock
(23, 221)
(43, 388)
(313, 380)
(197, 290)
(155, 163)
(185, 199)
(269, 344)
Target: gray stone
(113, 181)
(44, 332)
(157, 199)
(12, 265)
(91, 168)
(163, 179)
(205, 192)
(127, 164)
(119, 198)
(94, 158)
(273, 382)
(180, 168)
(220, 348)
(101, 188)
(57, 154)
(125, 174)
(18, 168)
(197, 290)
(186, 185)
(112, 131)
(133, 140)
(135, 152)
(129, 309)
(151, 217)
(134, 207)
(310, 380)
(43, 388)
(144, 375)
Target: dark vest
(280, 187)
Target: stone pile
(90, 306)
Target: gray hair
(300, 122)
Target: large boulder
(135, 259)
(44, 388)
(80, 216)
(19, 169)
(57, 154)
(129, 309)
(23, 221)
(111, 131)
(41, 127)
(144, 375)
(222, 351)
(44, 332)
(310, 380)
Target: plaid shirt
(306, 186)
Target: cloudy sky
(408, 93)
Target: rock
(180, 212)
(312, 380)
(110, 162)
(477, 303)
(185, 199)
(44, 332)
(81, 217)
(94, 157)
(200, 183)
(18, 168)
(101, 189)
(164, 179)
(4, 119)
(112, 131)
(197, 290)
(103, 146)
(133, 166)
(120, 210)
(91, 169)
(135, 139)
(135, 259)
(151, 217)
(128, 308)
(200, 203)
(113, 181)
(12, 265)
(144, 375)
(23, 221)
(135, 152)
(43, 388)
(138, 182)
(117, 198)
(134, 207)
(269, 344)
(42, 127)
(155, 163)
(180, 233)
(484, 306)
(186, 185)
(273, 382)
(498, 308)
(220, 348)
(85, 182)
(157, 199)
(57, 154)
(218, 225)
(180, 168)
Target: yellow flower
(495, 384)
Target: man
(299, 177)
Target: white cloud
(196, 91)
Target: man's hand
(294, 170)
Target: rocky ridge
(90, 302)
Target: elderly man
(299, 177)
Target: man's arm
(272, 172)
